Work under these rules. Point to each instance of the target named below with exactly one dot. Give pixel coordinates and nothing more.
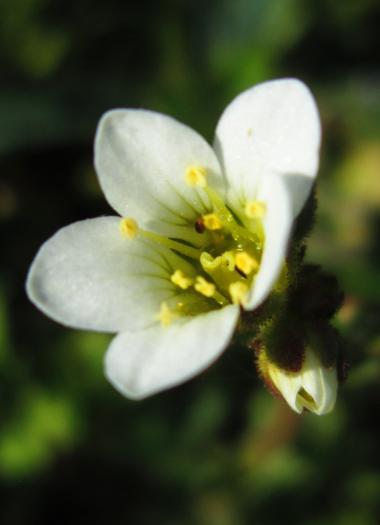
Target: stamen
(204, 287)
(238, 292)
(209, 290)
(245, 263)
(181, 280)
(255, 209)
(241, 233)
(212, 222)
(184, 249)
(128, 228)
(196, 176)
(166, 315)
(227, 219)
(215, 199)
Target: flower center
(224, 270)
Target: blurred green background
(217, 450)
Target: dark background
(217, 450)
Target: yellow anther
(181, 280)
(238, 292)
(196, 176)
(246, 263)
(166, 315)
(129, 228)
(204, 287)
(255, 209)
(212, 221)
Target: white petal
(288, 384)
(320, 383)
(312, 377)
(277, 227)
(141, 159)
(329, 391)
(143, 363)
(88, 276)
(271, 128)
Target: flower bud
(313, 387)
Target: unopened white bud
(314, 387)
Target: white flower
(314, 387)
(204, 231)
